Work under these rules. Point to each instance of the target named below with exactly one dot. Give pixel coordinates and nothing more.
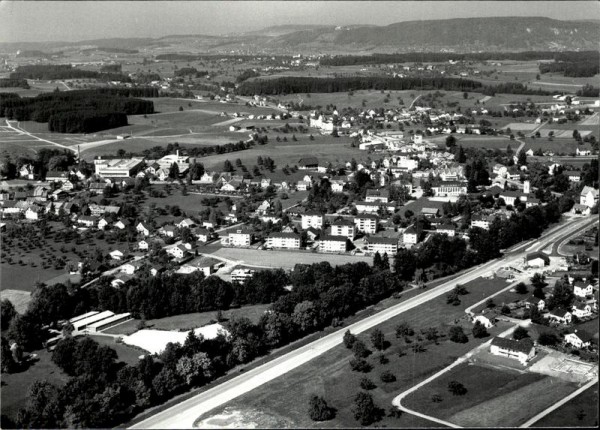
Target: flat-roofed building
(241, 275)
(312, 219)
(83, 323)
(109, 322)
(118, 167)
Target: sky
(27, 21)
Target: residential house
(141, 228)
(312, 219)
(103, 223)
(487, 320)
(582, 289)
(381, 196)
(333, 244)
(520, 350)
(410, 236)
(239, 237)
(88, 220)
(56, 176)
(178, 251)
(588, 196)
(131, 267)
(383, 245)
(206, 265)
(241, 275)
(447, 229)
(117, 255)
(122, 224)
(168, 231)
(366, 223)
(283, 241)
(343, 227)
(430, 212)
(188, 223)
(202, 234)
(535, 302)
(579, 339)
(34, 212)
(581, 310)
(574, 176)
(374, 207)
(337, 186)
(579, 209)
(559, 315)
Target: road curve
(183, 415)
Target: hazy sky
(74, 20)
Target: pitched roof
(538, 254)
(523, 345)
(583, 335)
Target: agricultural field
(495, 396)
(189, 321)
(582, 411)
(558, 147)
(329, 375)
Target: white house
(343, 228)
(333, 244)
(559, 315)
(283, 241)
(447, 229)
(312, 219)
(582, 289)
(178, 251)
(140, 228)
(535, 301)
(383, 245)
(486, 320)
(582, 310)
(116, 255)
(410, 236)
(240, 237)
(579, 339)
(366, 223)
(588, 196)
(520, 350)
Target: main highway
(184, 414)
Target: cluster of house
(585, 306)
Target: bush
(457, 335)
(349, 339)
(365, 411)
(319, 410)
(367, 384)
(520, 333)
(360, 365)
(360, 350)
(548, 339)
(521, 288)
(479, 330)
(387, 377)
(436, 398)
(456, 388)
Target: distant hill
(458, 35)
(467, 34)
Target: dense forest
(80, 111)
(13, 83)
(440, 57)
(294, 85)
(63, 71)
(190, 71)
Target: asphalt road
(183, 415)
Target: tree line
(296, 84)
(190, 71)
(63, 71)
(441, 57)
(14, 83)
(80, 111)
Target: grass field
(330, 375)
(494, 397)
(570, 414)
(19, 298)
(125, 353)
(558, 146)
(16, 385)
(189, 321)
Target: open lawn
(582, 411)
(485, 142)
(189, 321)
(125, 353)
(494, 397)
(15, 386)
(20, 299)
(284, 259)
(330, 375)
